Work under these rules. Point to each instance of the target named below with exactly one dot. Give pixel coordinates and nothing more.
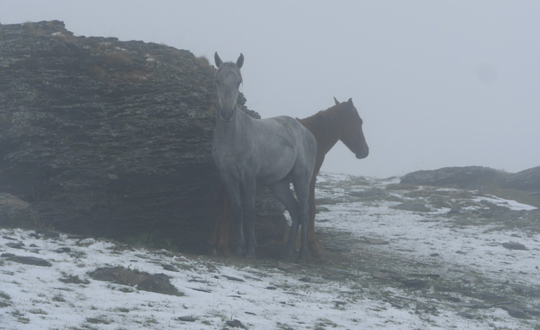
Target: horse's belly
(276, 168)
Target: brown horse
(340, 122)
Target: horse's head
(352, 135)
(228, 79)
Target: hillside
(385, 267)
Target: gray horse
(274, 152)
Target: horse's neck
(326, 128)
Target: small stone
(514, 311)
(376, 241)
(186, 319)
(235, 324)
(170, 268)
(414, 283)
(319, 209)
(232, 278)
(425, 275)
(289, 268)
(466, 315)
(17, 245)
(159, 283)
(63, 250)
(341, 272)
(514, 246)
(30, 261)
(337, 247)
(201, 290)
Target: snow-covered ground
(260, 295)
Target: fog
(437, 84)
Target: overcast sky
(437, 83)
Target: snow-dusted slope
(395, 270)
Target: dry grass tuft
(117, 59)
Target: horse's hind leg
(282, 191)
(226, 218)
(302, 179)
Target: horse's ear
(240, 61)
(350, 101)
(217, 60)
(335, 100)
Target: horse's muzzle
(362, 154)
(226, 114)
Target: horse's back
(290, 125)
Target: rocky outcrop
(468, 177)
(528, 180)
(110, 138)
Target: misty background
(438, 84)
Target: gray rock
(414, 283)
(412, 206)
(14, 212)
(289, 268)
(235, 324)
(232, 278)
(469, 177)
(514, 246)
(525, 180)
(103, 141)
(159, 283)
(514, 311)
(186, 319)
(29, 260)
(17, 245)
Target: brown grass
(203, 62)
(117, 59)
(33, 29)
(97, 72)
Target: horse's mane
(321, 116)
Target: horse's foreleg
(250, 215)
(233, 191)
(225, 220)
(216, 220)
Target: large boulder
(468, 177)
(110, 138)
